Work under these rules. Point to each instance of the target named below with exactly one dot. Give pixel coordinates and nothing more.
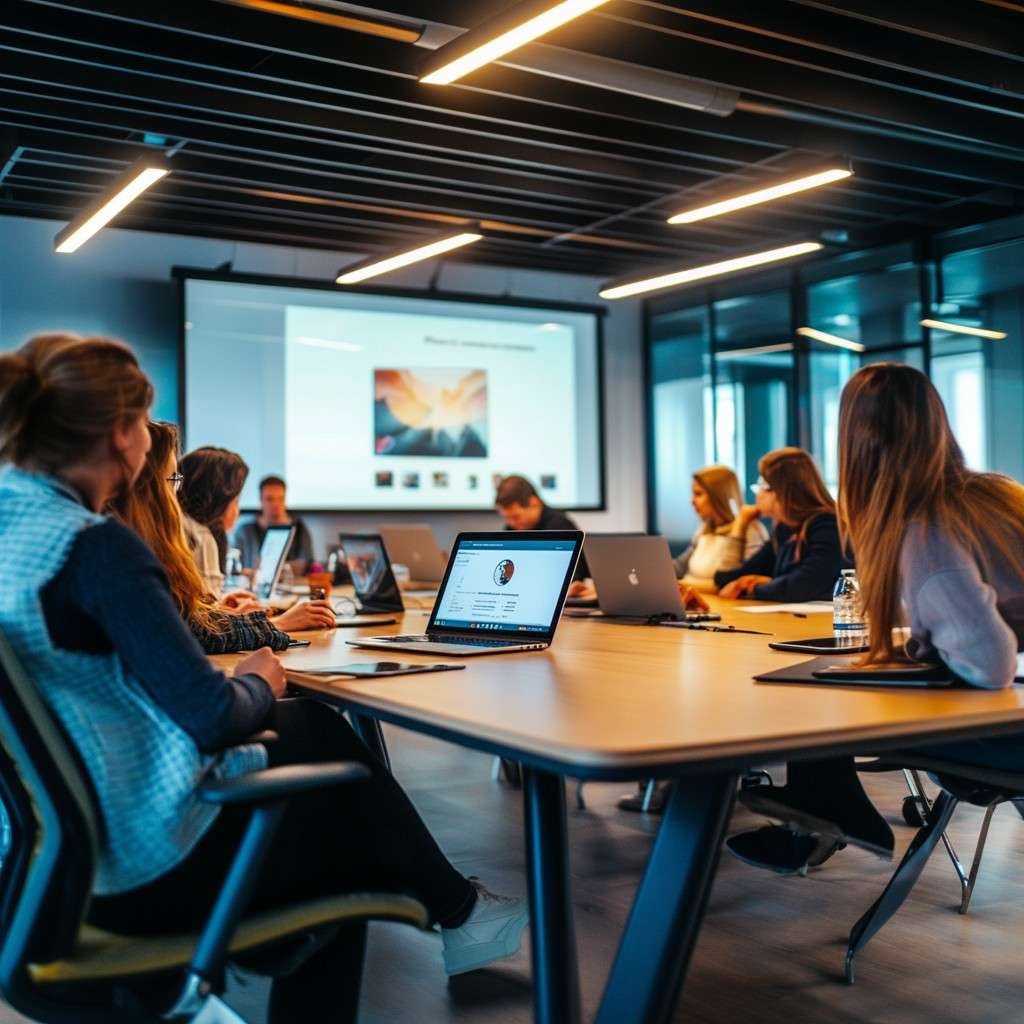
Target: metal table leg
(656, 946)
(556, 989)
(370, 732)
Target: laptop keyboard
(465, 641)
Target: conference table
(615, 702)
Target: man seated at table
(521, 507)
(273, 512)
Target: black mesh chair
(55, 968)
(959, 783)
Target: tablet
(914, 674)
(376, 669)
(819, 645)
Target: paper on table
(803, 608)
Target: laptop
(276, 542)
(416, 547)
(635, 578)
(370, 569)
(501, 592)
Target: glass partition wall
(731, 378)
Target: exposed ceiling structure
(304, 123)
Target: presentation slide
(365, 401)
(512, 585)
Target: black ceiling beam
(881, 46)
(743, 68)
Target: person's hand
(743, 586)
(692, 600)
(582, 588)
(240, 601)
(306, 615)
(267, 665)
(747, 514)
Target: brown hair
(514, 490)
(900, 467)
(214, 477)
(793, 476)
(150, 508)
(62, 394)
(722, 487)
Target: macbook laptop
(416, 547)
(501, 592)
(370, 569)
(635, 579)
(276, 542)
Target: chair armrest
(280, 783)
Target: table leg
(556, 989)
(656, 946)
(370, 732)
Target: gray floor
(771, 950)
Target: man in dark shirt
(273, 512)
(522, 509)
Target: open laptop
(276, 542)
(635, 579)
(501, 592)
(415, 546)
(370, 569)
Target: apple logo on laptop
(633, 578)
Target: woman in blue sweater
(88, 610)
(804, 558)
(939, 548)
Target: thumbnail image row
(442, 480)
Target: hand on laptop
(267, 665)
(692, 600)
(743, 587)
(306, 615)
(238, 602)
(582, 588)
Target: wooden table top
(607, 699)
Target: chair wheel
(912, 812)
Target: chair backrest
(47, 878)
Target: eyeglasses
(176, 479)
(760, 487)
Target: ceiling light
(763, 195)
(375, 266)
(830, 339)
(650, 284)
(514, 28)
(979, 332)
(760, 350)
(128, 187)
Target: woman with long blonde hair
(721, 542)
(804, 558)
(939, 548)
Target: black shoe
(635, 801)
(781, 850)
(836, 815)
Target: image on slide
(430, 412)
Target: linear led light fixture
(513, 28)
(830, 339)
(730, 266)
(127, 188)
(760, 350)
(377, 265)
(978, 332)
(832, 172)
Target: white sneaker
(493, 931)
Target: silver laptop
(501, 592)
(415, 546)
(635, 578)
(276, 542)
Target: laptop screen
(275, 544)
(505, 585)
(370, 570)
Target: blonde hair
(792, 474)
(901, 468)
(150, 508)
(723, 491)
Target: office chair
(56, 969)
(959, 783)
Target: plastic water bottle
(848, 625)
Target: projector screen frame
(181, 275)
